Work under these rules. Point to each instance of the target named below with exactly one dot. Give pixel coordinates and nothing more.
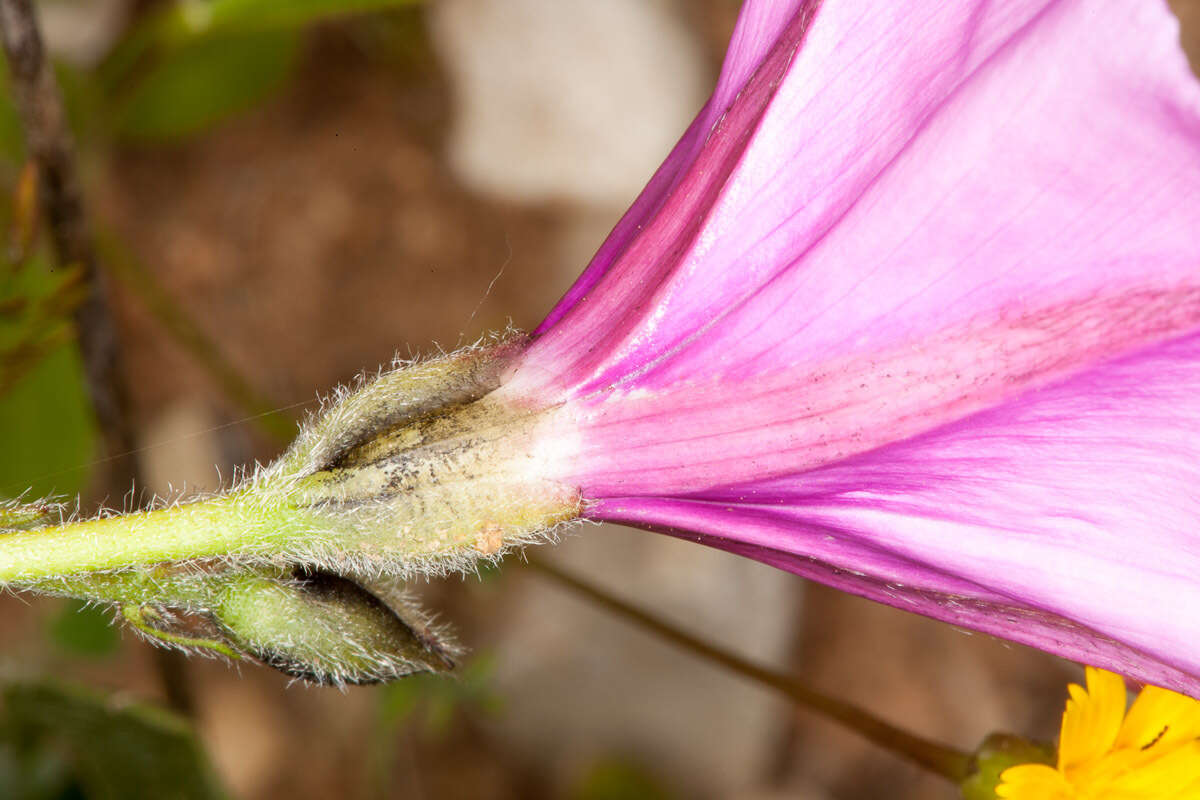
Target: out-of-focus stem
(175, 319)
(932, 756)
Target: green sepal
(327, 629)
(998, 752)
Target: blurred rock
(246, 735)
(1188, 12)
(928, 677)
(566, 100)
(83, 31)
(181, 452)
(585, 685)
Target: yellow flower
(1106, 754)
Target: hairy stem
(182, 533)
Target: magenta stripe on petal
(701, 433)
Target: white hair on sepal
(403, 600)
(373, 402)
(410, 471)
(332, 630)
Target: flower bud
(327, 629)
(316, 625)
(996, 753)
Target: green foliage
(197, 63)
(428, 706)
(84, 102)
(85, 629)
(58, 742)
(200, 18)
(45, 417)
(47, 429)
(616, 779)
(206, 81)
(431, 701)
(12, 142)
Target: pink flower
(913, 309)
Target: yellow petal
(1092, 720)
(1174, 776)
(1033, 782)
(1160, 720)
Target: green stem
(929, 755)
(184, 532)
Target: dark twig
(929, 755)
(48, 139)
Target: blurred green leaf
(205, 81)
(60, 742)
(45, 416)
(204, 17)
(489, 572)
(428, 705)
(36, 775)
(12, 138)
(432, 700)
(398, 701)
(615, 779)
(47, 429)
(85, 629)
(82, 100)
(198, 61)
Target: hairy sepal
(418, 471)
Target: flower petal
(1033, 782)
(909, 168)
(1065, 520)
(1175, 776)
(759, 27)
(917, 315)
(1158, 721)
(1092, 720)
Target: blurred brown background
(424, 176)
